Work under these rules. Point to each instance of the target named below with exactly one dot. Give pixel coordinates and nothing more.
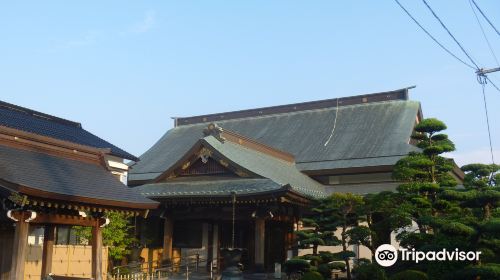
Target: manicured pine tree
(449, 218)
(338, 212)
(425, 173)
(480, 201)
(383, 215)
(344, 212)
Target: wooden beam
(48, 249)
(59, 219)
(20, 248)
(97, 252)
(168, 234)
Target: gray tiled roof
(63, 176)
(362, 188)
(269, 174)
(277, 170)
(368, 134)
(206, 188)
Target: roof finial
(214, 130)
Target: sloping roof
(366, 134)
(363, 188)
(205, 188)
(52, 176)
(28, 120)
(279, 171)
(261, 172)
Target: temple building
(270, 162)
(55, 174)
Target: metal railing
(148, 271)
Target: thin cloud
(146, 24)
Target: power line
(491, 82)
(481, 73)
(484, 34)
(485, 17)
(451, 35)
(483, 80)
(432, 37)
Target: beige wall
(151, 256)
(68, 260)
(361, 251)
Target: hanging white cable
(334, 123)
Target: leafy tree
(117, 235)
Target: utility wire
(486, 18)
(493, 84)
(484, 34)
(432, 37)
(482, 78)
(451, 35)
(483, 81)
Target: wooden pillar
(168, 234)
(216, 245)
(48, 249)
(260, 231)
(19, 249)
(210, 247)
(97, 252)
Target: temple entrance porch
(264, 231)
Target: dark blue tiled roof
(39, 123)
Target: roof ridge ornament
(214, 130)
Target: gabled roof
(57, 178)
(370, 130)
(28, 120)
(273, 172)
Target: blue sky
(124, 68)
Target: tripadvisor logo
(386, 255)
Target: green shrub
(368, 272)
(296, 265)
(410, 275)
(325, 270)
(337, 266)
(483, 272)
(313, 259)
(327, 257)
(312, 275)
(364, 261)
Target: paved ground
(206, 276)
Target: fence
(179, 268)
